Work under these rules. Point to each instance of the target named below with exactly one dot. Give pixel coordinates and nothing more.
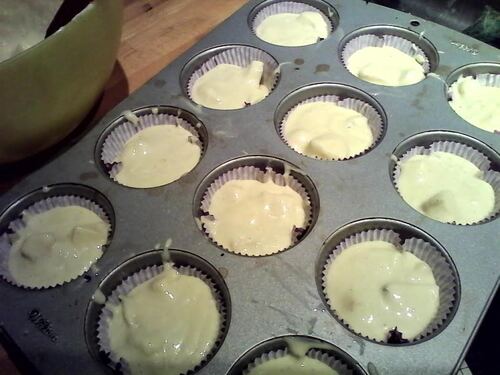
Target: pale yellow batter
(56, 246)
(165, 326)
(446, 187)
(157, 156)
(291, 365)
(476, 103)
(230, 87)
(375, 287)
(255, 218)
(326, 131)
(386, 66)
(293, 29)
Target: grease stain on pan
(159, 83)
(321, 68)
(88, 176)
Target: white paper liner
(484, 79)
(370, 40)
(116, 140)
(328, 359)
(374, 119)
(467, 152)
(441, 269)
(253, 173)
(240, 56)
(6, 239)
(130, 283)
(287, 7)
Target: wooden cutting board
(155, 32)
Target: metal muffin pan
(275, 295)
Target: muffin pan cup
(278, 294)
(371, 40)
(375, 122)
(444, 275)
(130, 124)
(330, 361)
(7, 237)
(466, 152)
(488, 74)
(294, 7)
(241, 56)
(133, 281)
(281, 346)
(485, 74)
(252, 173)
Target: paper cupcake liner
(374, 119)
(488, 79)
(253, 173)
(7, 239)
(370, 40)
(130, 283)
(485, 79)
(116, 140)
(287, 7)
(441, 269)
(240, 56)
(467, 152)
(328, 359)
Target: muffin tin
(277, 295)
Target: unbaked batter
(230, 86)
(375, 287)
(291, 365)
(165, 326)
(327, 131)
(477, 103)
(293, 29)
(446, 187)
(255, 218)
(56, 246)
(386, 66)
(157, 155)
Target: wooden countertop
(155, 32)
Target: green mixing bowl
(46, 90)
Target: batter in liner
(386, 66)
(375, 287)
(56, 246)
(255, 218)
(230, 86)
(157, 155)
(327, 131)
(166, 325)
(446, 187)
(293, 29)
